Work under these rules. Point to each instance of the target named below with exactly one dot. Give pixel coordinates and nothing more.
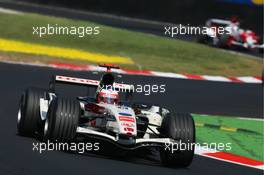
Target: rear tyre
(205, 39)
(62, 120)
(261, 51)
(28, 119)
(180, 127)
(223, 41)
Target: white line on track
(4, 10)
(253, 119)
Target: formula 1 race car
(105, 116)
(230, 35)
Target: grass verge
(147, 51)
(245, 144)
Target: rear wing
(109, 67)
(218, 21)
(86, 82)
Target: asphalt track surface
(17, 157)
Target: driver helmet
(108, 96)
(234, 21)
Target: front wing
(141, 142)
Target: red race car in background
(228, 34)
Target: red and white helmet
(108, 96)
(234, 20)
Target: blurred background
(125, 27)
(193, 12)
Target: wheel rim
(20, 112)
(19, 116)
(46, 127)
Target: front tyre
(28, 119)
(62, 120)
(180, 127)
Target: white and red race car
(106, 117)
(232, 36)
